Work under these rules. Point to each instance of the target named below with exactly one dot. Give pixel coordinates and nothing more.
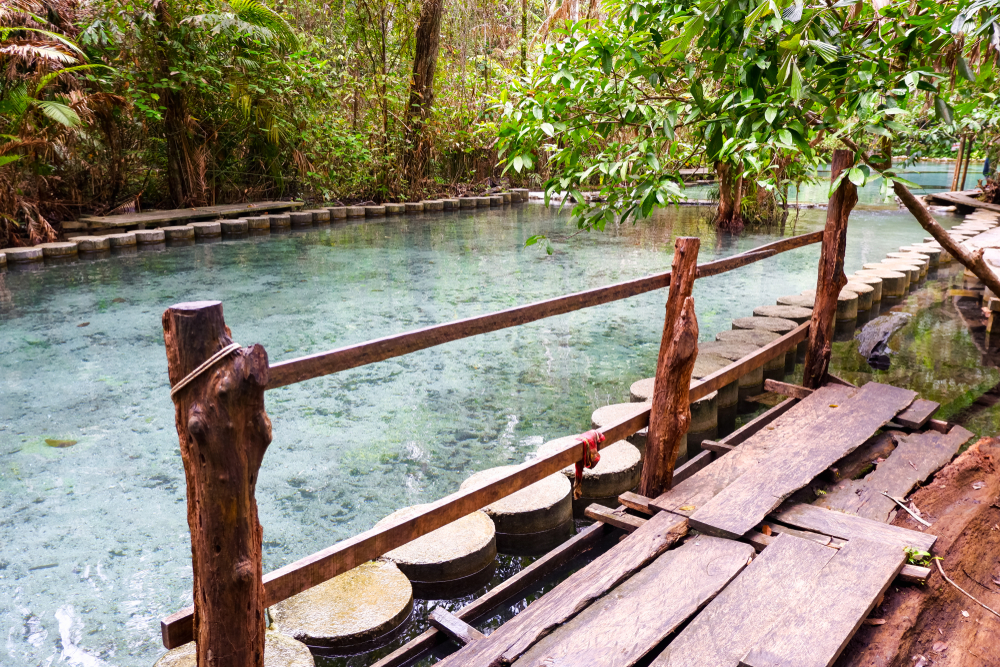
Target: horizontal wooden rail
(312, 570)
(333, 361)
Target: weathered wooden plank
(333, 361)
(849, 526)
(635, 502)
(626, 624)
(512, 639)
(836, 431)
(850, 584)
(173, 215)
(716, 447)
(692, 493)
(453, 626)
(618, 518)
(961, 200)
(743, 613)
(759, 423)
(510, 588)
(916, 457)
(691, 467)
(778, 529)
(786, 389)
(915, 416)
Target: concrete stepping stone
(279, 221)
(729, 395)
(149, 236)
(909, 271)
(337, 212)
(506, 197)
(239, 226)
(616, 412)
(847, 304)
(775, 369)
(451, 204)
(467, 202)
(395, 209)
(320, 215)
(933, 254)
(126, 240)
(212, 229)
(58, 249)
(773, 324)
(483, 202)
(257, 223)
(924, 261)
(750, 384)
(279, 651)
(532, 520)
(914, 271)
(375, 211)
(618, 471)
(866, 294)
(446, 560)
(797, 300)
(94, 243)
(414, 207)
(522, 193)
(704, 417)
(355, 211)
(872, 281)
(356, 609)
(496, 200)
(178, 232)
(796, 314)
(301, 218)
(894, 283)
(3, 259)
(433, 204)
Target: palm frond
(32, 52)
(60, 113)
(260, 14)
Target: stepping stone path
(611, 414)
(58, 249)
(237, 227)
(179, 233)
(704, 417)
(375, 211)
(355, 609)
(894, 283)
(149, 236)
(618, 471)
(279, 651)
(94, 243)
(775, 369)
(797, 314)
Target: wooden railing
(321, 566)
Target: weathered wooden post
(970, 143)
(958, 163)
(670, 414)
(218, 393)
(830, 279)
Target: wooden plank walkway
(960, 199)
(850, 527)
(174, 215)
(625, 625)
(919, 412)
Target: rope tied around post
(591, 457)
(211, 361)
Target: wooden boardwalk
(831, 561)
(173, 216)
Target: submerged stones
(279, 651)
(352, 612)
(618, 471)
(449, 561)
(532, 520)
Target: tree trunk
(970, 142)
(958, 164)
(728, 217)
(524, 35)
(830, 279)
(418, 111)
(670, 415)
(184, 171)
(224, 432)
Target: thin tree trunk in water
(728, 216)
(524, 35)
(183, 173)
(958, 164)
(968, 156)
(418, 111)
(670, 414)
(223, 432)
(830, 279)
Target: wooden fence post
(969, 145)
(958, 164)
(224, 432)
(670, 414)
(830, 277)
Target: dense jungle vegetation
(111, 105)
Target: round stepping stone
(618, 471)
(414, 207)
(178, 232)
(94, 243)
(337, 212)
(321, 215)
(729, 395)
(611, 414)
(126, 240)
(921, 260)
(354, 609)
(775, 369)
(395, 209)
(704, 415)
(256, 223)
(797, 300)
(279, 651)
(866, 294)
(239, 225)
(451, 204)
(750, 384)
(847, 304)
(149, 236)
(911, 271)
(279, 221)
(893, 282)
(796, 314)
(375, 211)
(773, 324)
(355, 211)
(301, 218)
(467, 202)
(58, 249)
(872, 281)
(214, 228)
(496, 200)
(433, 204)
(3, 259)
(933, 254)
(506, 197)
(522, 193)
(527, 516)
(435, 561)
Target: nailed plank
(617, 518)
(634, 501)
(690, 468)
(836, 431)
(625, 625)
(688, 495)
(916, 457)
(453, 626)
(915, 416)
(174, 215)
(759, 423)
(778, 529)
(786, 389)
(849, 586)
(716, 447)
(510, 588)
(850, 527)
(513, 638)
(732, 623)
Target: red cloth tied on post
(591, 457)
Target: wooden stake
(831, 278)
(670, 414)
(970, 143)
(958, 164)
(224, 432)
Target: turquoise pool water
(95, 539)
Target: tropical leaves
(252, 20)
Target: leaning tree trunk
(418, 111)
(728, 217)
(224, 432)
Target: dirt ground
(935, 624)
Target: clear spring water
(94, 538)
